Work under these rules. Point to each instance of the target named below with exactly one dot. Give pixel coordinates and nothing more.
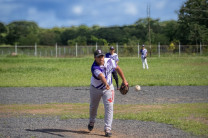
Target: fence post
(117, 48)
(179, 48)
(159, 49)
(56, 50)
(35, 49)
(138, 50)
(16, 48)
(76, 49)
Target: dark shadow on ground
(56, 131)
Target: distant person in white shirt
(112, 55)
(143, 52)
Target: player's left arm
(117, 59)
(146, 54)
(121, 74)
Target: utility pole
(149, 29)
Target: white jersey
(143, 52)
(114, 56)
(106, 69)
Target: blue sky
(66, 13)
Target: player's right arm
(104, 81)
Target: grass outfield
(55, 72)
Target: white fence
(121, 50)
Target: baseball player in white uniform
(113, 56)
(143, 52)
(102, 87)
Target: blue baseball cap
(111, 48)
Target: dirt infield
(147, 95)
(54, 127)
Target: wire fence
(121, 50)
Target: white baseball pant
(108, 101)
(144, 62)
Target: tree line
(190, 28)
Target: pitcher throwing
(102, 87)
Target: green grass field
(55, 72)
(46, 72)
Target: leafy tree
(2, 28)
(20, 29)
(71, 42)
(3, 31)
(29, 39)
(58, 32)
(111, 34)
(169, 29)
(47, 37)
(193, 17)
(143, 30)
(93, 40)
(68, 34)
(160, 37)
(80, 40)
(102, 42)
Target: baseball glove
(124, 89)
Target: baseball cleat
(90, 126)
(108, 133)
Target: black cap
(98, 53)
(111, 48)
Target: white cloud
(9, 11)
(44, 19)
(77, 10)
(102, 12)
(6, 9)
(130, 8)
(48, 19)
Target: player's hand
(125, 82)
(107, 87)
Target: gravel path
(53, 127)
(148, 95)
